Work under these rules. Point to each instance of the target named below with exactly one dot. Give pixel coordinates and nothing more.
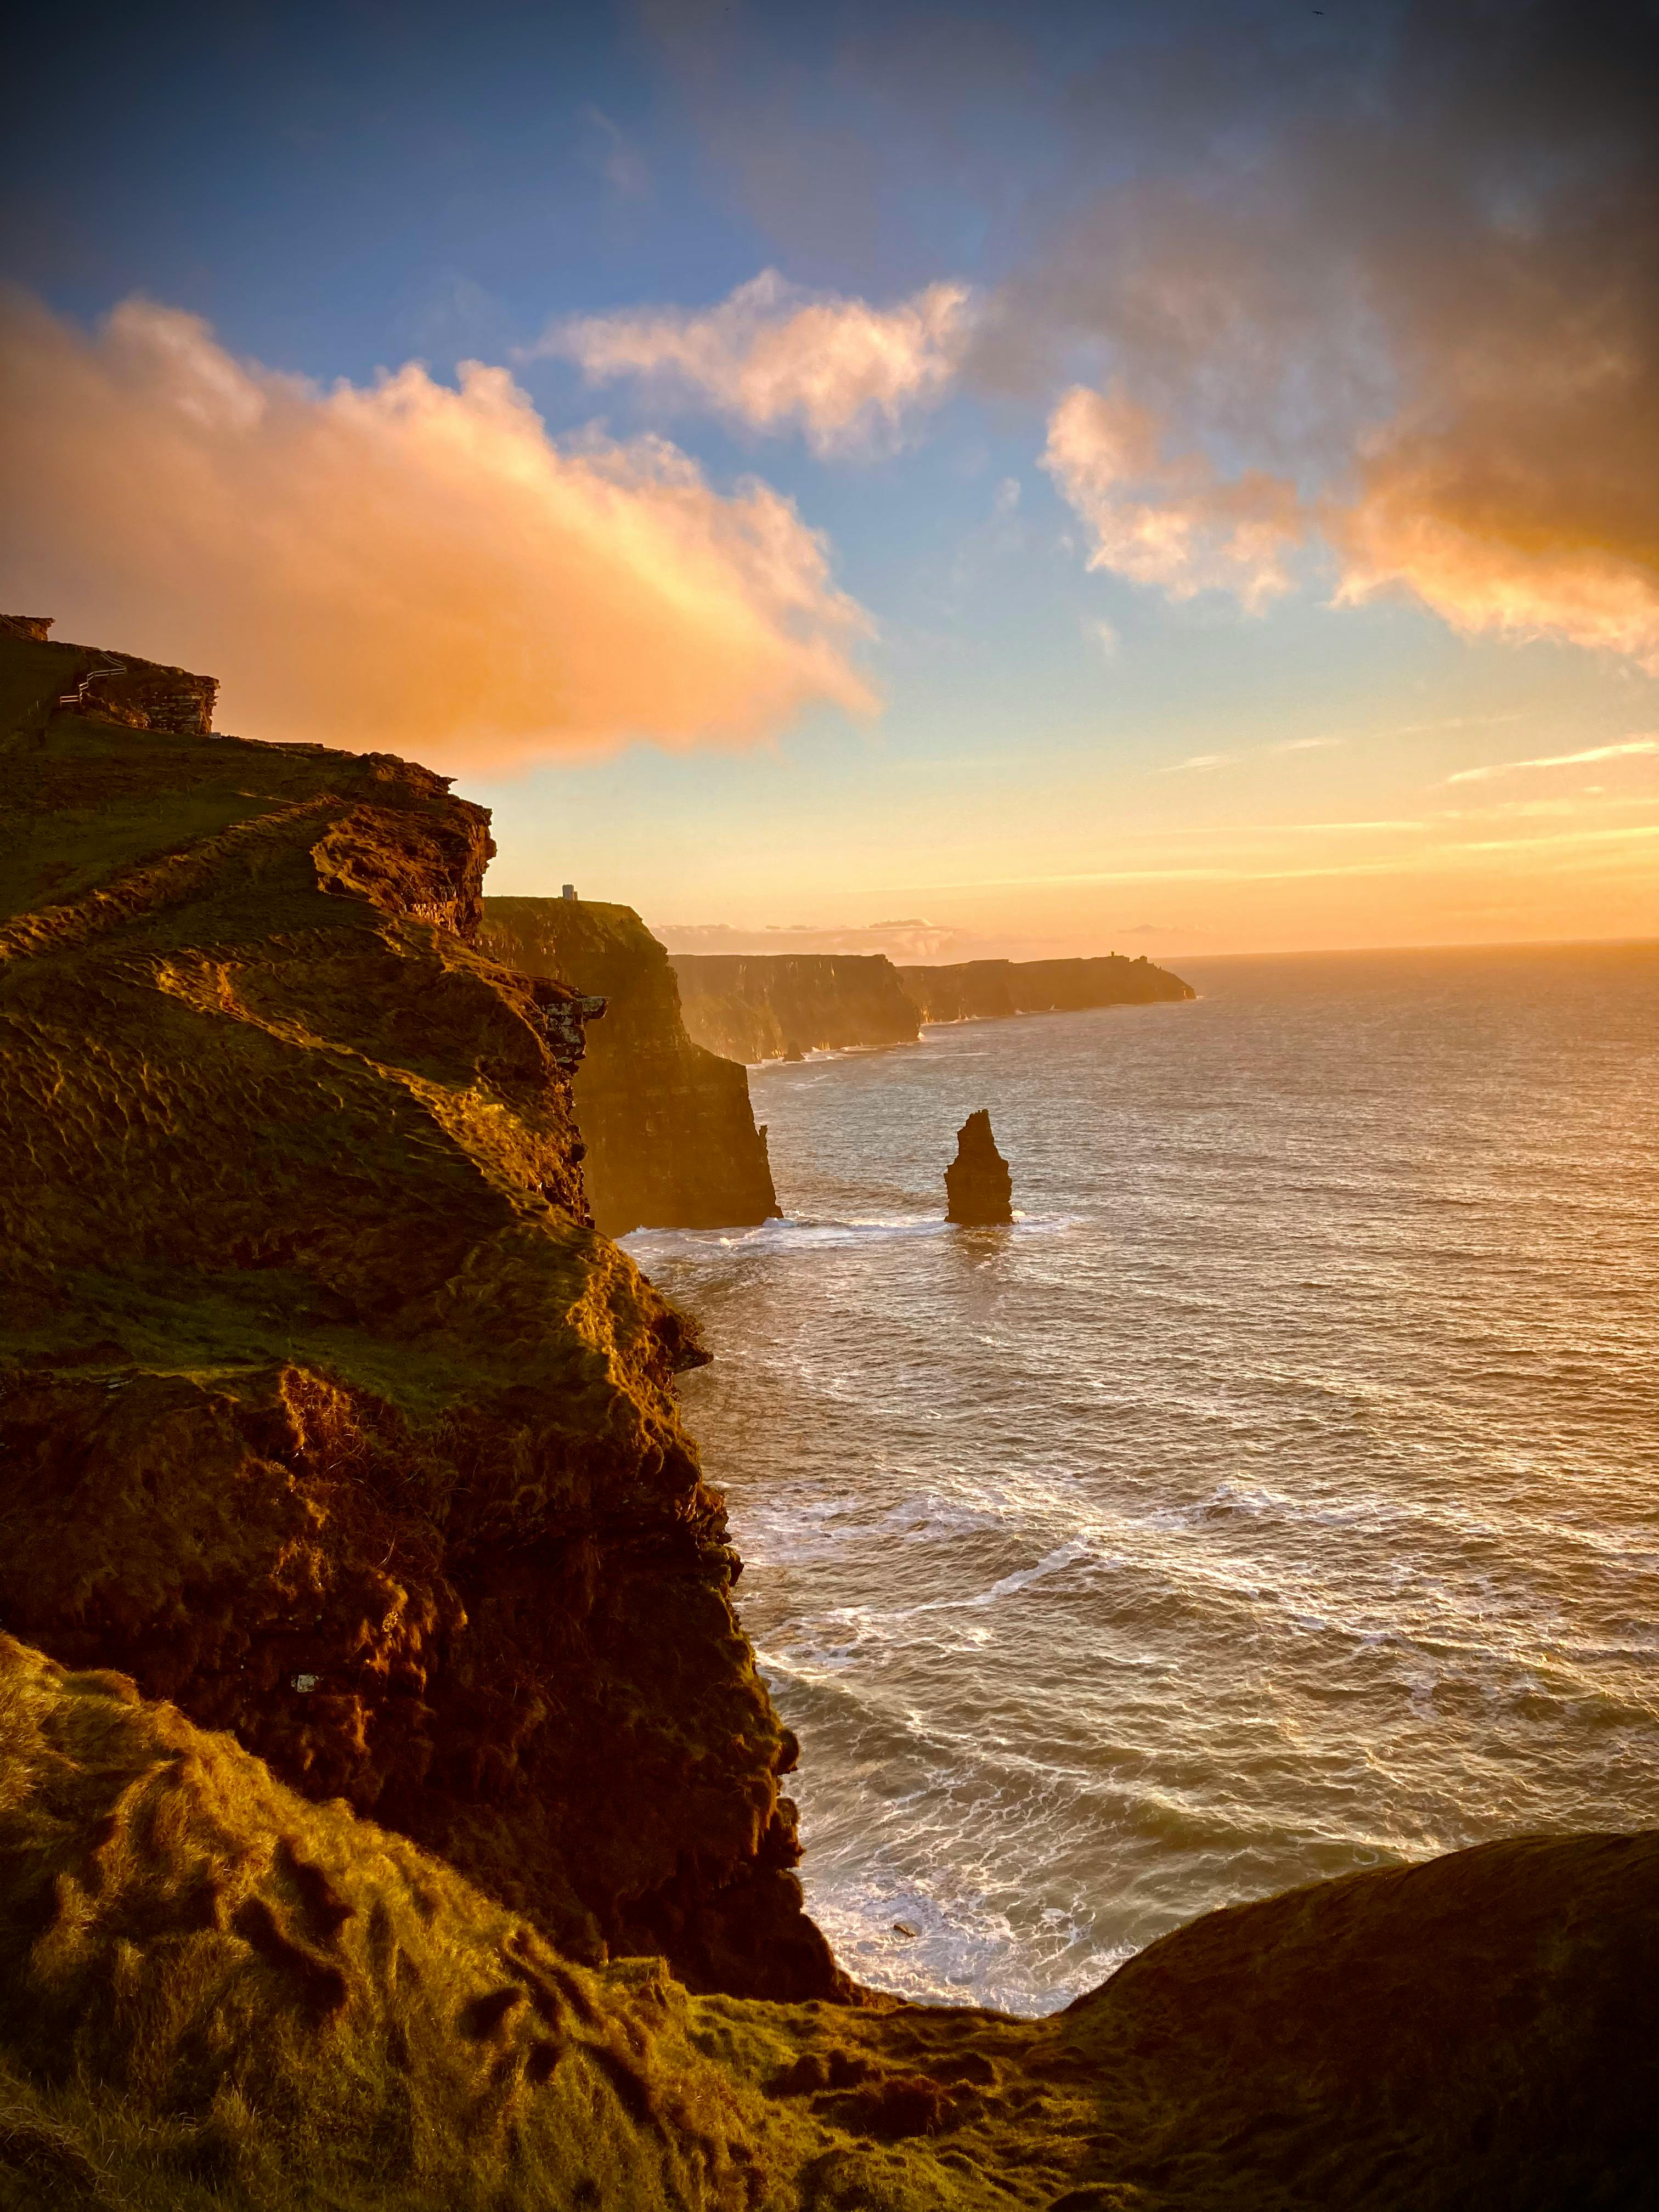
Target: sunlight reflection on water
(1277, 1497)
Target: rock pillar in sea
(978, 1188)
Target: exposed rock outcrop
(324, 1413)
(781, 1006)
(214, 1994)
(978, 1189)
(671, 1135)
(983, 990)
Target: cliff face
(970, 990)
(671, 1136)
(979, 990)
(780, 1005)
(215, 1994)
(324, 1413)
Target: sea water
(1278, 1497)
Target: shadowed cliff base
(216, 1994)
(671, 1135)
(324, 1412)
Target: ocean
(1279, 1497)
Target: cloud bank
(776, 357)
(1404, 253)
(401, 566)
(1412, 258)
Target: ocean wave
(793, 1234)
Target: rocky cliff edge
(324, 1413)
(670, 1133)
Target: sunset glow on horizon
(1172, 480)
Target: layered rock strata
(324, 1412)
(670, 1133)
(979, 1190)
(984, 990)
(215, 1993)
(783, 1005)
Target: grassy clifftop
(324, 1413)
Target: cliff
(979, 990)
(324, 1413)
(372, 1679)
(979, 1190)
(670, 1133)
(215, 1993)
(781, 1006)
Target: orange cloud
(1491, 545)
(1171, 522)
(401, 565)
(773, 354)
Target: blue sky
(1355, 498)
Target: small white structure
(570, 890)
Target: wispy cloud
(1305, 745)
(844, 372)
(1200, 761)
(1458, 722)
(1630, 746)
(1171, 521)
(617, 159)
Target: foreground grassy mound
(213, 1993)
(324, 1413)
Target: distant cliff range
(782, 1005)
(669, 1135)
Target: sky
(1172, 479)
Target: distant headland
(781, 1006)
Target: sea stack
(978, 1188)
